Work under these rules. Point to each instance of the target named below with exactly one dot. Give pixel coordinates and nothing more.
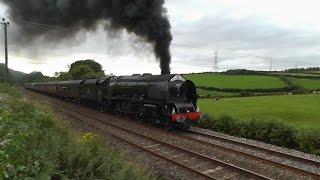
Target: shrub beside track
(273, 132)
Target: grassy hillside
(301, 111)
(17, 77)
(310, 84)
(236, 81)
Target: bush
(9, 90)
(309, 141)
(32, 145)
(273, 132)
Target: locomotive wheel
(168, 126)
(126, 108)
(139, 118)
(117, 113)
(186, 127)
(101, 108)
(117, 110)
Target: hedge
(231, 90)
(272, 132)
(299, 76)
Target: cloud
(238, 30)
(240, 40)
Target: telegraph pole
(5, 25)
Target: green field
(310, 84)
(236, 81)
(301, 111)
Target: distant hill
(17, 77)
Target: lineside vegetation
(34, 146)
(272, 132)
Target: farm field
(302, 111)
(310, 84)
(236, 81)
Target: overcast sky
(246, 34)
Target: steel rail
(271, 151)
(138, 146)
(201, 174)
(254, 157)
(200, 156)
(277, 164)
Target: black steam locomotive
(168, 100)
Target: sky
(246, 34)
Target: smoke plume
(145, 18)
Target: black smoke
(145, 18)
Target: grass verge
(34, 146)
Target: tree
(36, 77)
(96, 67)
(62, 76)
(84, 72)
(83, 69)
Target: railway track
(259, 148)
(197, 163)
(239, 151)
(197, 131)
(200, 164)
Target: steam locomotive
(168, 100)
